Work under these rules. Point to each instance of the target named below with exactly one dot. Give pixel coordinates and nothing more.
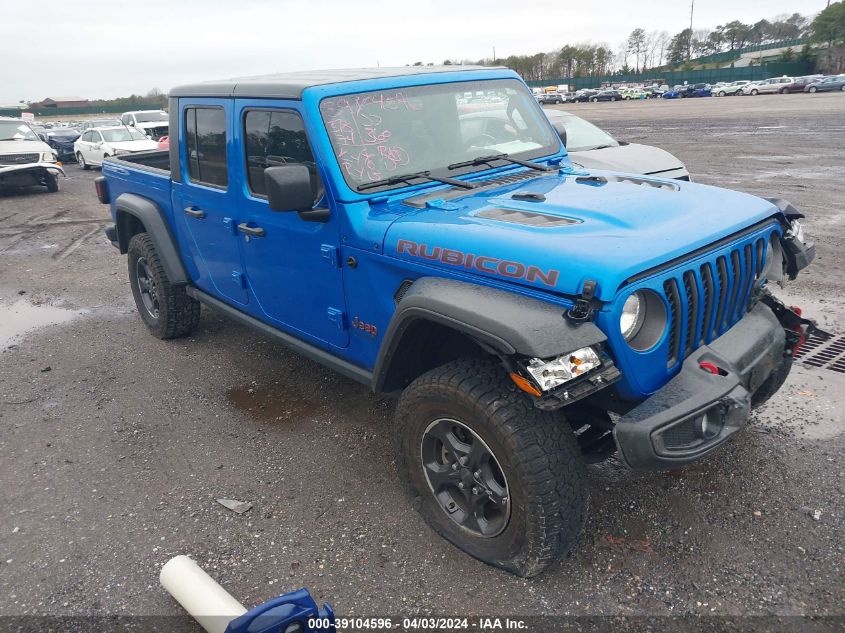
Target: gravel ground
(114, 445)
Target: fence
(674, 77)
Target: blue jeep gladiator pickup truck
(530, 317)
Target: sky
(112, 48)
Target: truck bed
(146, 174)
(158, 159)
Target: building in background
(61, 102)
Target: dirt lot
(114, 445)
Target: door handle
(255, 231)
(194, 212)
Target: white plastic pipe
(204, 600)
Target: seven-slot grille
(706, 300)
(18, 159)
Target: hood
(632, 158)
(135, 146)
(23, 147)
(606, 227)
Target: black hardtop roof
(291, 85)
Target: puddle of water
(275, 402)
(23, 317)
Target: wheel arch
(439, 320)
(135, 214)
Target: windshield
(148, 117)
(119, 136)
(64, 132)
(16, 131)
(104, 123)
(582, 135)
(376, 135)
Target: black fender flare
(152, 217)
(505, 323)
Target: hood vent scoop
(526, 218)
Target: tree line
(651, 50)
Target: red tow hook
(709, 367)
(799, 330)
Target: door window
(205, 144)
(276, 137)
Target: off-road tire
(178, 313)
(537, 451)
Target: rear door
(205, 202)
(292, 264)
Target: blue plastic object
(292, 612)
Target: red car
(164, 142)
(799, 83)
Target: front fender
(505, 322)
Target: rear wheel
(755, 92)
(783, 91)
(721, 93)
(812, 89)
(166, 309)
(81, 160)
(498, 478)
(594, 100)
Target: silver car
(766, 86)
(591, 147)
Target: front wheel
(81, 160)
(754, 93)
(167, 310)
(594, 100)
(722, 93)
(812, 89)
(52, 182)
(498, 478)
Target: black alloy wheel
(465, 477)
(147, 287)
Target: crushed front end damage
(28, 173)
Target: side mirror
(561, 132)
(289, 188)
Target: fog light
(708, 426)
(553, 373)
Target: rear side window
(205, 145)
(276, 137)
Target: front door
(206, 199)
(291, 264)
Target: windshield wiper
(486, 160)
(393, 180)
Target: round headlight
(631, 319)
(643, 319)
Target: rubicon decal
(483, 263)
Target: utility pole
(689, 41)
(494, 54)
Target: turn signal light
(525, 385)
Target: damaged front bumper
(28, 173)
(698, 410)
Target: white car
(153, 123)
(766, 86)
(25, 159)
(97, 144)
(591, 147)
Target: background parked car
(696, 90)
(766, 86)
(164, 142)
(97, 144)
(799, 83)
(634, 93)
(673, 93)
(62, 139)
(550, 97)
(730, 89)
(152, 123)
(98, 123)
(837, 82)
(591, 147)
(25, 159)
(606, 95)
(585, 94)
